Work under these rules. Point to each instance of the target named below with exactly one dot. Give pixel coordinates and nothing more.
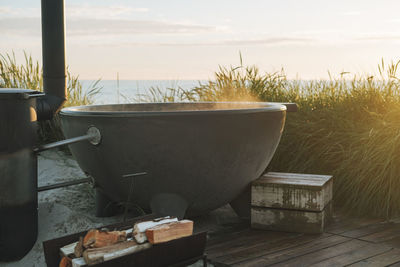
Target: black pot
(18, 172)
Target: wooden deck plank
(394, 242)
(367, 230)
(216, 239)
(248, 242)
(387, 233)
(274, 247)
(354, 256)
(226, 239)
(341, 224)
(357, 241)
(390, 257)
(323, 254)
(294, 252)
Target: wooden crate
(299, 221)
(291, 202)
(308, 192)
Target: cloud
(350, 13)
(20, 26)
(118, 27)
(102, 27)
(271, 40)
(258, 42)
(77, 11)
(379, 37)
(7, 11)
(393, 20)
(90, 11)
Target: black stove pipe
(53, 53)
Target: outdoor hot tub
(196, 156)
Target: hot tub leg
(105, 207)
(166, 204)
(242, 204)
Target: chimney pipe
(53, 54)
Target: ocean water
(125, 91)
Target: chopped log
(128, 232)
(169, 231)
(79, 262)
(68, 250)
(98, 255)
(97, 239)
(65, 262)
(78, 250)
(126, 251)
(139, 229)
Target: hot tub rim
(80, 110)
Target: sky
(189, 39)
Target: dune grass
(29, 75)
(351, 129)
(347, 126)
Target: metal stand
(105, 207)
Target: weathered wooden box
(292, 191)
(291, 202)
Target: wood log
(98, 255)
(139, 229)
(79, 262)
(97, 238)
(78, 250)
(169, 231)
(126, 251)
(128, 232)
(65, 262)
(68, 250)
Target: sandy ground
(72, 209)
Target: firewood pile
(99, 245)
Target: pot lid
(17, 93)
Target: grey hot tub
(198, 156)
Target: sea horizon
(123, 91)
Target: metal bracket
(92, 135)
(95, 135)
(128, 200)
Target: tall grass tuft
(158, 94)
(29, 76)
(241, 83)
(349, 128)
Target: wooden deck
(346, 241)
